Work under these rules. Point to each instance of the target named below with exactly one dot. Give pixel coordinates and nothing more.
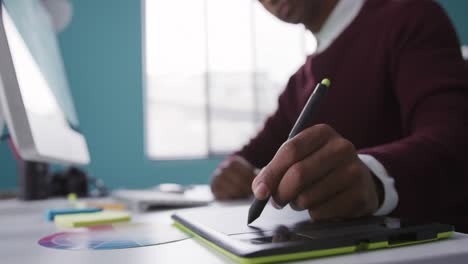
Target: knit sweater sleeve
(431, 84)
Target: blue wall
(102, 52)
(458, 12)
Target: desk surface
(22, 224)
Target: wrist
(385, 184)
(379, 189)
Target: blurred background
(164, 89)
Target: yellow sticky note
(107, 206)
(98, 218)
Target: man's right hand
(233, 179)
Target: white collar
(340, 18)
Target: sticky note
(91, 219)
(107, 206)
(51, 214)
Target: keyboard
(148, 199)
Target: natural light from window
(213, 72)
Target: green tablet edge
(386, 244)
(308, 254)
(270, 259)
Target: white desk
(22, 225)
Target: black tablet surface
(282, 235)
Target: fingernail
(275, 205)
(261, 191)
(295, 207)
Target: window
(213, 72)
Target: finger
(236, 173)
(292, 151)
(221, 185)
(224, 189)
(312, 169)
(217, 187)
(347, 204)
(225, 163)
(245, 171)
(224, 192)
(239, 177)
(233, 181)
(243, 162)
(239, 185)
(326, 188)
(218, 191)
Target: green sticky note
(99, 218)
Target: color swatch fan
(114, 236)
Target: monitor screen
(37, 61)
(37, 102)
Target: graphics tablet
(284, 235)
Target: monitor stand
(1, 121)
(33, 177)
(33, 180)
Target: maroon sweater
(399, 93)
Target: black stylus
(303, 121)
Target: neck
(323, 11)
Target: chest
(361, 104)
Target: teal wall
(458, 12)
(7, 167)
(102, 52)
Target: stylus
(303, 121)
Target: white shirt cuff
(390, 200)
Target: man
(391, 136)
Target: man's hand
(233, 179)
(319, 171)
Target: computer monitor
(34, 95)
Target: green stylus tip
(326, 82)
